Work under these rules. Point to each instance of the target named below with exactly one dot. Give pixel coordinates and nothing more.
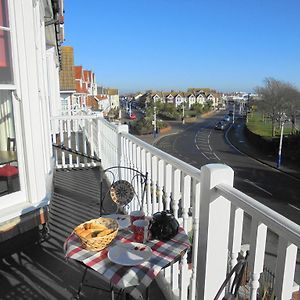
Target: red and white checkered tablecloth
(137, 277)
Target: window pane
(5, 48)
(9, 171)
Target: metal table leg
(81, 284)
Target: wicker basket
(97, 243)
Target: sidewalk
(238, 139)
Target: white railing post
(196, 212)
(121, 129)
(285, 269)
(161, 169)
(257, 254)
(99, 137)
(213, 231)
(185, 201)
(168, 186)
(236, 232)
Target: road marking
(258, 187)
(293, 206)
(216, 156)
(205, 156)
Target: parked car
(220, 125)
(227, 118)
(132, 117)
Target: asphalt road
(201, 144)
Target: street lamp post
(283, 119)
(129, 109)
(154, 121)
(183, 113)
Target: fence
(207, 205)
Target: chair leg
(112, 292)
(81, 284)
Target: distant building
(113, 97)
(67, 78)
(78, 86)
(192, 96)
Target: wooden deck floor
(40, 271)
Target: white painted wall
(114, 101)
(35, 73)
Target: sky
(227, 45)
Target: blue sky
(175, 44)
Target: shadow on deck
(40, 271)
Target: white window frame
(9, 202)
(18, 197)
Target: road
(201, 144)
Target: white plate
(123, 220)
(130, 254)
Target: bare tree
(293, 106)
(278, 97)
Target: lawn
(261, 127)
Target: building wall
(35, 86)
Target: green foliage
(197, 107)
(145, 126)
(168, 111)
(261, 124)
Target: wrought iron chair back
(124, 185)
(238, 272)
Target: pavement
(236, 137)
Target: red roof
(87, 75)
(78, 72)
(101, 97)
(79, 89)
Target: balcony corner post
(213, 231)
(120, 155)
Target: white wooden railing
(206, 203)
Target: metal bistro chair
(238, 272)
(126, 184)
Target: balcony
(206, 203)
(222, 220)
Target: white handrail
(177, 163)
(77, 117)
(276, 222)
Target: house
(211, 98)
(156, 97)
(29, 95)
(191, 99)
(200, 98)
(77, 85)
(81, 92)
(67, 81)
(103, 104)
(169, 98)
(113, 97)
